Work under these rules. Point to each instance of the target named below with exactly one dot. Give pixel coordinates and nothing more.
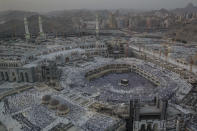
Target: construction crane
(191, 63)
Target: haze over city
(98, 65)
(49, 5)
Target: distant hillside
(12, 22)
(83, 13)
(185, 32)
(14, 14)
(190, 8)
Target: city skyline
(50, 5)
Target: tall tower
(97, 26)
(40, 27)
(148, 23)
(130, 23)
(112, 21)
(27, 34)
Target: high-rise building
(130, 23)
(112, 21)
(148, 23)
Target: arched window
(2, 76)
(149, 127)
(26, 76)
(67, 59)
(155, 127)
(6, 76)
(21, 77)
(13, 76)
(143, 127)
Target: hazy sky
(49, 5)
